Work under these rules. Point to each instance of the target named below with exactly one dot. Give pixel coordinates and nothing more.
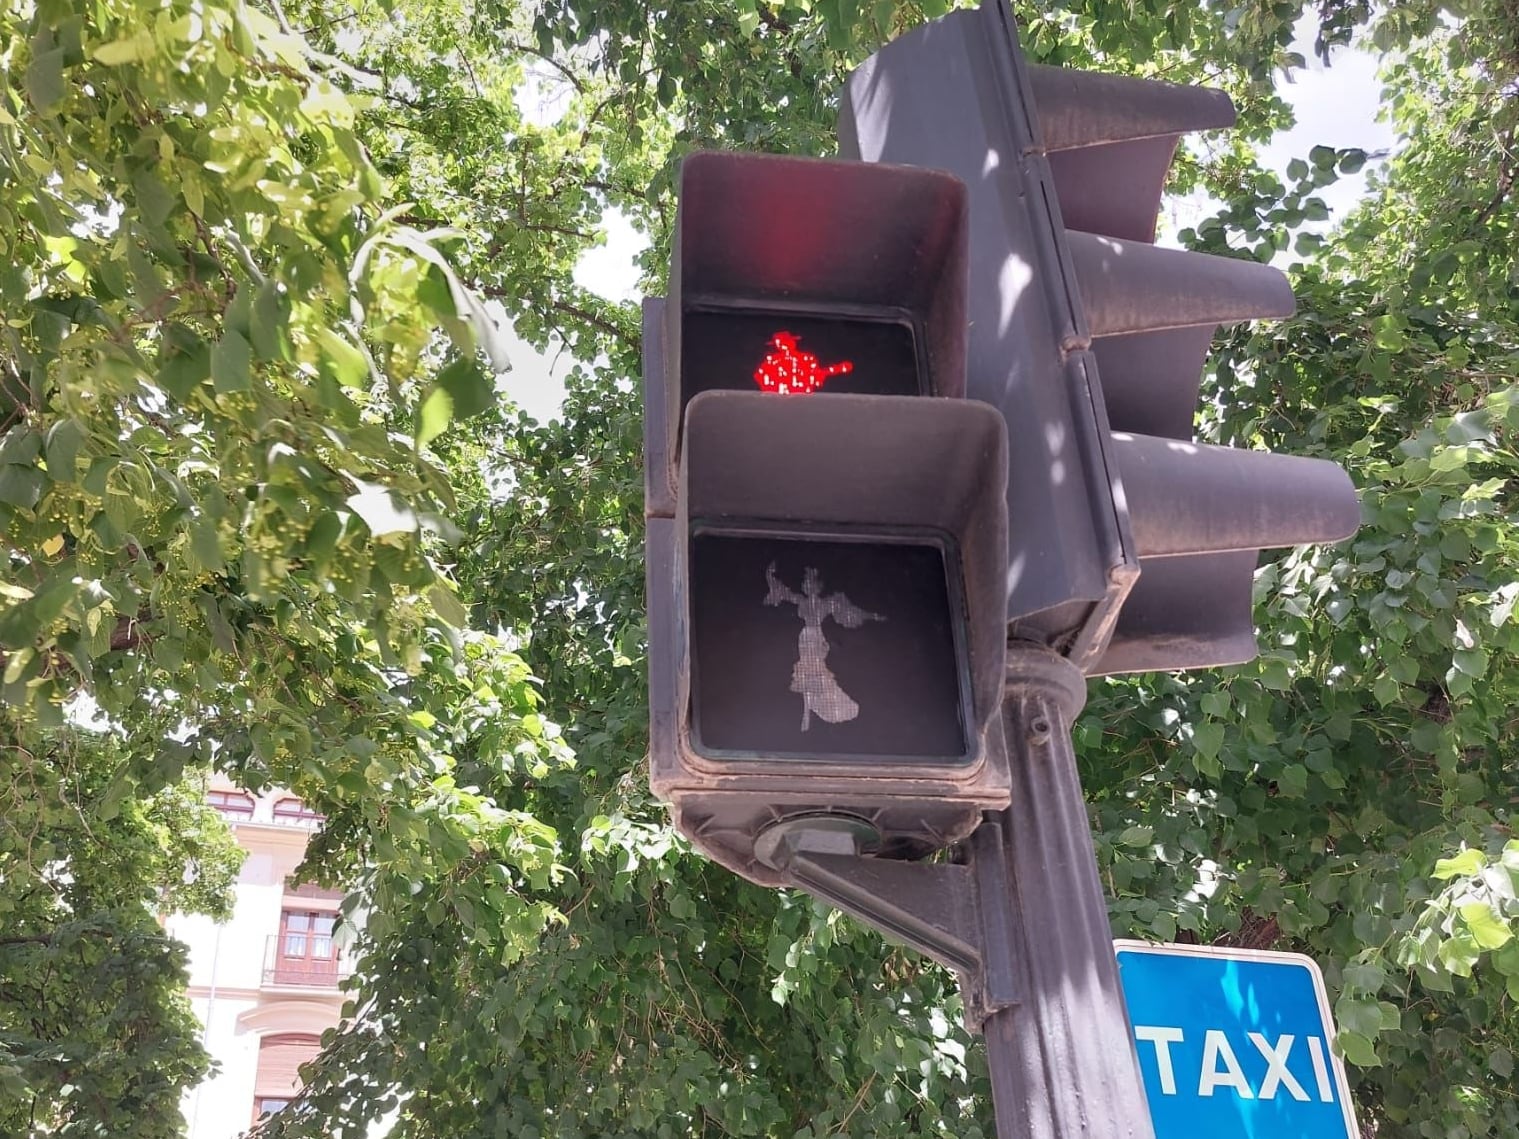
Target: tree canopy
(269, 510)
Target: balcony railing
(308, 822)
(307, 972)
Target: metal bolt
(1039, 731)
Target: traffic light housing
(1130, 546)
(826, 527)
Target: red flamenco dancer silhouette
(787, 370)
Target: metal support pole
(1023, 922)
(1062, 1059)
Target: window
(307, 935)
(303, 950)
(291, 812)
(279, 1060)
(234, 805)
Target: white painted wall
(227, 988)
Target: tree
(92, 1020)
(222, 363)
(259, 488)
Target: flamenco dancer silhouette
(810, 678)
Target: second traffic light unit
(826, 525)
(1132, 547)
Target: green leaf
(1473, 662)
(1487, 929)
(446, 604)
(1465, 864)
(433, 416)
(183, 362)
(1357, 1050)
(65, 441)
(471, 388)
(1506, 959)
(347, 362)
(1362, 1017)
(231, 363)
(1365, 978)
(1500, 1062)
(1293, 781)
(205, 545)
(1387, 333)
(20, 447)
(45, 87)
(322, 540)
(127, 50)
(1459, 952)
(1208, 738)
(267, 321)
(21, 486)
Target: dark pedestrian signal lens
(832, 650)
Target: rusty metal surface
(1129, 286)
(1192, 612)
(1061, 1055)
(658, 462)
(1088, 108)
(1235, 499)
(949, 96)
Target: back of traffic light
(1130, 546)
(826, 532)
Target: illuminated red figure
(786, 370)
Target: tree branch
(1505, 184)
(598, 322)
(32, 939)
(574, 80)
(770, 19)
(633, 341)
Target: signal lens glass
(828, 650)
(789, 354)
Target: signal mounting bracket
(933, 907)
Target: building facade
(265, 983)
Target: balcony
(281, 969)
(291, 812)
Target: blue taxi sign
(1234, 1043)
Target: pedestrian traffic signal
(826, 528)
(1130, 546)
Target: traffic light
(895, 520)
(826, 529)
(1130, 546)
